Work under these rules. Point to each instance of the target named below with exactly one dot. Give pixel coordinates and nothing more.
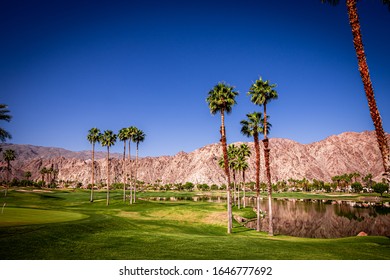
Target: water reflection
(315, 218)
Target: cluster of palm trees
(221, 98)
(237, 158)
(51, 174)
(108, 139)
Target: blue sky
(68, 66)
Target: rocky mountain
(345, 153)
(28, 152)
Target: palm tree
(108, 139)
(8, 156)
(131, 132)
(43, 172)
(124, 135)
(93, 136)
(4, 116)
(221, 99)
(366, 79)
(262, 92)
(242, 164)
(232, 157)
(139, 136)
(251, 128)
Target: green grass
(154, 230)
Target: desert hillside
(345, 153)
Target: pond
(315, 218)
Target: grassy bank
(152, 230)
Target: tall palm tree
(8, 156)
(139, 136)
(221, 98)
(131, 132)
(4, 116)
(366, 79)
(124, 135)
(242, 164)
(251, 127)
(93, 137)
(262, 92)
(108, 139)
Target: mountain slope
(345, 153)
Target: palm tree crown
(262, 92)
(4, 116)
(138, 136)
(108, 138)
(94, 135)
(221, 98)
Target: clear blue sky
(68, 66)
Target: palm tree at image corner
(366, 79)
(93, 137)
(221, 98)
(139, 136)
(262, 92)
(108, 139)
(4, 116)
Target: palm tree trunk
(131, 176)
(234, 188)
(226, 164)
(257, 151)
(243, 182)
(108, 175)
(268, 173)
(93, 171)
(124, 171)
(238, 196)
(136, 174)
(365, 75)
(269, 186)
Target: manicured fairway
(26, 216)
(154, 230)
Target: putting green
(26, 216)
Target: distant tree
(108, 139)
(380, 188)
(43, 172)
(138, 137)
(221, 98)
(27, 175)
(188, 186)
(368, 180)
(356, 187)
(93, 136)
(366, 79)
(4, 116)
(8, 156)
(262, 92)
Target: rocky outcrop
(345, 153)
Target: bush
(357, 187)
(380, 188)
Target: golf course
(64, 225)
